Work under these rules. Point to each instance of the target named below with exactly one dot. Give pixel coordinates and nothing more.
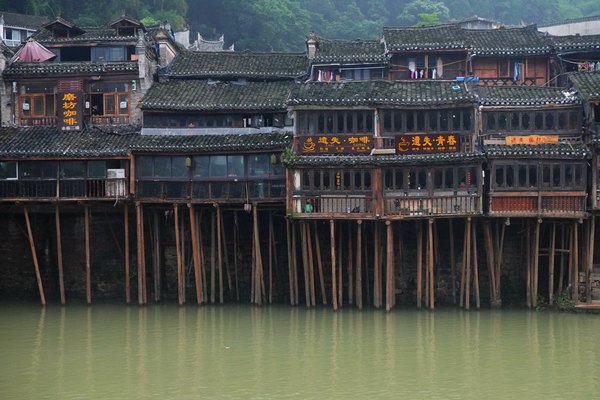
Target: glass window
(499, 175)
(258, 165)
(326, 180)
(467, 120)
(399, 176)
(510, 176)
(38, 169)
(502, 122)
(550, 121)
(578, 175)
(235, 166)
(438, 179)
(26, 105)
(388, 179)
(360, 122)
(525, 125)
(178, 167)
(433, 120)
(539, 120)
(349, 122)
(546, 175)
(329, 122)
(410, 121)
(367, 180)
(123, 104)
(455, 120)
(420, 121)
(569, 175)
(556, 175)
(8, 170)
(72, 169)
(38, 105)
(532, 175)
(514, 121)
(522, 175)
(346, 180)
(387, 121)
(50, 105)
(218, 166)
(490, 122)
(96, 169)
(340, 123)
(109, 104)
(449, 178)
(562, 120)
(145, 166)
(397, 121)
(162, 167)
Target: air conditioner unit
(115, 182)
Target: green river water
(279, 352)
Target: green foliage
(564, 302)
(428, 19)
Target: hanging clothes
(434, 74)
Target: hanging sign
(336, 144)
(422, 143)
(70, 117)
(532, 139)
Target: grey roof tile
(381, 160)
(349, 51)
(525, 96)
(559, 150)
(58, 69)
(588, 84)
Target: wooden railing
(510, 81)
(103, 188)
(515, 203)
(330, 204)
(110, 120)
(412, 206)
(210, 190)
(38, 121)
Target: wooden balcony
(37, 121)
(511, 82)
(65, 189)
(333, 206)
(553, 204)
(110, 120)
(434, 206)
(210, 191)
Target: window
(532, 122)
(8, 170)
(108, 54)
(110, 99)
(38, 169)
(347, 180)
(320, 122)
(39, 105)
(548, 176)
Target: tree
(410, 13)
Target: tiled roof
(504, 41)
(525, 95)
(381, 160)
(116, 141)
(213, 143)
(380, 92)
(233, 65)
(588, 84)
(45, 141)
(36, 70)
(32, 22)
(559, 150)
(572, 20)
(203, 95)
(507, 41)
(90, 34)
(439, 37)
(575, 42)
(350, 51)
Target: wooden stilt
(563, 244)
(340, 285)
(156, 256)
(225, 254)
(499, 252)
(270, 257)
(590, 260)
(390, 284)
(61, 278)
(350, 265)
(427, 244)
(236, 252)
(127, 272)
(305, 263)
(213, 261)
(311, 267)
(333, 277)
(536, 262)
(195, 254)
(431, 261)
(476, 267)
(452, 259)
(289, 254)
(367, 276)
(575, 280)
(490, 258)
(419, 263)
(528, 255)
(552, 255)
(259, 291)
(294, 275)
(178, 254)
(377, 267)
(463, 269)
(36, 265)
(202, 258)
(358, 285)
(320, 264)
(88, 269)
(183, 257)
(468, 267)
(219, 254)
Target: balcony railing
(104, 188)
(114, 120)
(215, 190)
(330, 204)
(510, 81)
(413, 206)
(515, 203)
(38, 121)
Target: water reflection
(279, 352)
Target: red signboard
(336, 144)
(422, 143)
(70, 111)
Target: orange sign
(71, 111)
(420, 143)
(336, 144)
(532, 139)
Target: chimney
(311, 46)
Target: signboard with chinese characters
(532, 139)
(336, 144)
(422, 143)
(70, 111)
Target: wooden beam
(390, 284)
(333, 277)
(452, 259)
(576, 263)
(213, 272)
(590, 260)
(289, 253)
(270, 257)
(195, 254)
(219, 254)
(178, 254)
(350, 264)
(156, 255)
(294, 272)
(468, 266)
(377, 266)
(320, 264)
(528, 257)
(88, 269)
(61, 278)
(358, 285)
(127, 257)
(311, 268)
(36, 265)
(552, 255)
(476, 267)
(431, 261)
(536, 262)
(419, 263)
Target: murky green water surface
(240, 352)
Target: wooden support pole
(419, 263)
(358, 285)
(127, 257)
(156, 256)
(289, 254)
(258, 279)
(270, 257)
(552, 255)
(377, 267)
(213, 261)
(36, 265)
(178, 254)
(305, 262)
(563, 244)
(294, 264)
(390, 284)
(468, 266)
(463, 268)
(320, 264)
(195, 254)
(88, 267)
(333, 277)
(61, 278)
(203, 278)
(427, 244)
(340, 275)
(311, 267)
(236, 251)
(219, 254)
(183, 257)
(536, 262)
(452, 259)
(350, 265)
(590, 260)
(528, 256)
(225, 253)
(476, 267)
(575, 280)
(431, 261)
